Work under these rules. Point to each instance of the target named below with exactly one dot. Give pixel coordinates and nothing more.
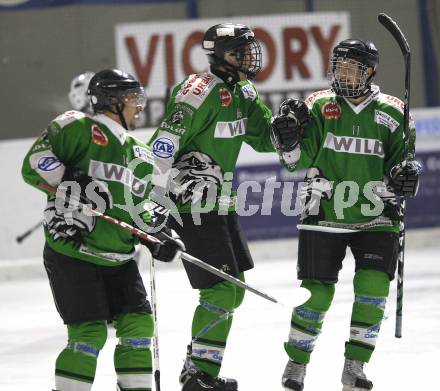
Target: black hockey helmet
(347, 53)
(237, 38)
(109, 90)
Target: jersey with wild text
(103, 150)
(349, 150)
(197, 144)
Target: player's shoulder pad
(396, 104)
(69, 117)
(196, 89)
(311, 99)
(391, 101)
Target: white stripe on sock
(141, 380)
(65, 384)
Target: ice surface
(31, 333)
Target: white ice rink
(31, 333)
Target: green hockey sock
(76, 365)
(132, 357)
(211, 325)
(307, 319)
(371, 289)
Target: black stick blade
(395, 31)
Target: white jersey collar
(117, 129)
(375, 91)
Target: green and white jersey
(205, 124)
(102, 149)
(349, 151)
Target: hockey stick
(156, 331)
(185, 256)
(31, 230)
(396, 32)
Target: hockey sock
(211, 324)
(76, 365)
(307, 319)
(132, 358)
(371, 288)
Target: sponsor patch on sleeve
(143, 153)
(249, 92)
(385, 119)
(163, 147)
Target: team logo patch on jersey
(225, 97)
(163, 147)
(331, 110)
(98, 136)
(198, 172)
(48, 163)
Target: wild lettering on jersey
(230, 129)
(116, 173)
(355, 145)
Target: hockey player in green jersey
(353, 149)
(209, 116)
(93, 160)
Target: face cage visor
(249, 58)
(348, 77)
(133, 97)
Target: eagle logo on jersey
(315, 188)
(331, 110)
(198, 177)
(68, 226)
(177, 117)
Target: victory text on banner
(296, 50)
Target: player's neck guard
(230, 77)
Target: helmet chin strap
(120, 109)
(367, 88)
(230, 75)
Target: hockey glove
(404, 178)
(169, 247)
(288, 125)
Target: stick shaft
(185, 256)
(31, 230)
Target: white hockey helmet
(78, 97)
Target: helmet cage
(348, 67)
(249, 58)
(348, 77)
(245, 47)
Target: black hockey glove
(168, 248)
(288, 125)
(404, 179)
